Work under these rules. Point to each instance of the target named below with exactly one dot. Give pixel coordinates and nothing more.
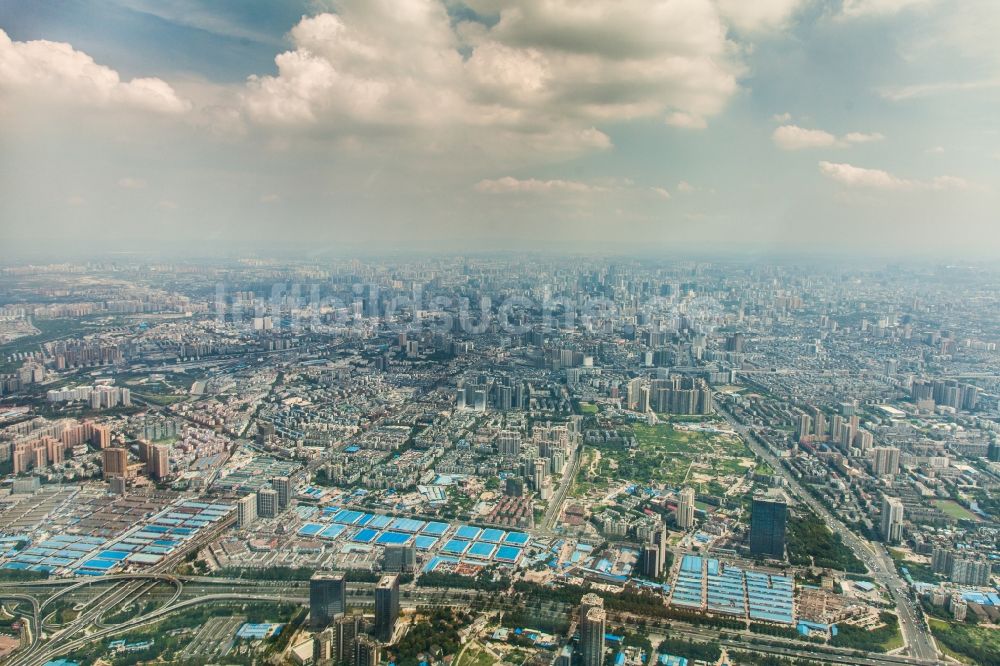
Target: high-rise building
(345, 629)
(768, 516)
(386, 606)
(538, 477)
(892, 520)
(267, 503)
(283, 486)
(632, 393)
(509, 444)
(885, 461)
(323, 647)
(400, 558)
(158, 462)
(366, 652)
(970, 570)
(685, 509)
(802, 430)
(592, 631)
(327, 597)
(115, 462)
(513, 486)
(246, 510)
(650, 560)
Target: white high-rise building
(892, 520)
(885, 461)
(246, 510)
(685, 509)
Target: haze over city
(862, 127)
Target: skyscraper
(246, 510)
(509, 443)
(650, 560)
(386, 606)
(397, 558)
(267, 503)
(892, 519)
(885, 461)
(115, 462)
(366, 652)
(345, 629)
(767, 526)
(592, 631)
(158, 463)
(327, 597)
(685, 509)
(283, 486)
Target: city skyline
(862, 127)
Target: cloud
(167, 204)
(900, 93)
(130, 183)
(758, 15)
(686, 120)
(866, 8)
(56, 72)
(270, 198)
(854, 176)
(685, 187)
(862, 137)
(793, 137)
(781, 117)
(661, 192)
(511, 185)
(538, 74)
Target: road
(121, 589)
(917, 636)
(556, 502)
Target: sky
(803, 127)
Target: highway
(916, 634)
(555, 504)
(294, 592)
(122, 588)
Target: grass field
(588, 408)
(954, 509)
(670, 455)
(969, 644)
(474, 656)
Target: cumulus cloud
(511, 185)
(901, 93)
(793, 137)
(686, 120)
(542, 72)
(861, 177)
(56, 72)
(661, 192)
(758, 15)
(862, 8)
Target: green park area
(474, 655)
(674, 456)
(967, 643)
(954, 509)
